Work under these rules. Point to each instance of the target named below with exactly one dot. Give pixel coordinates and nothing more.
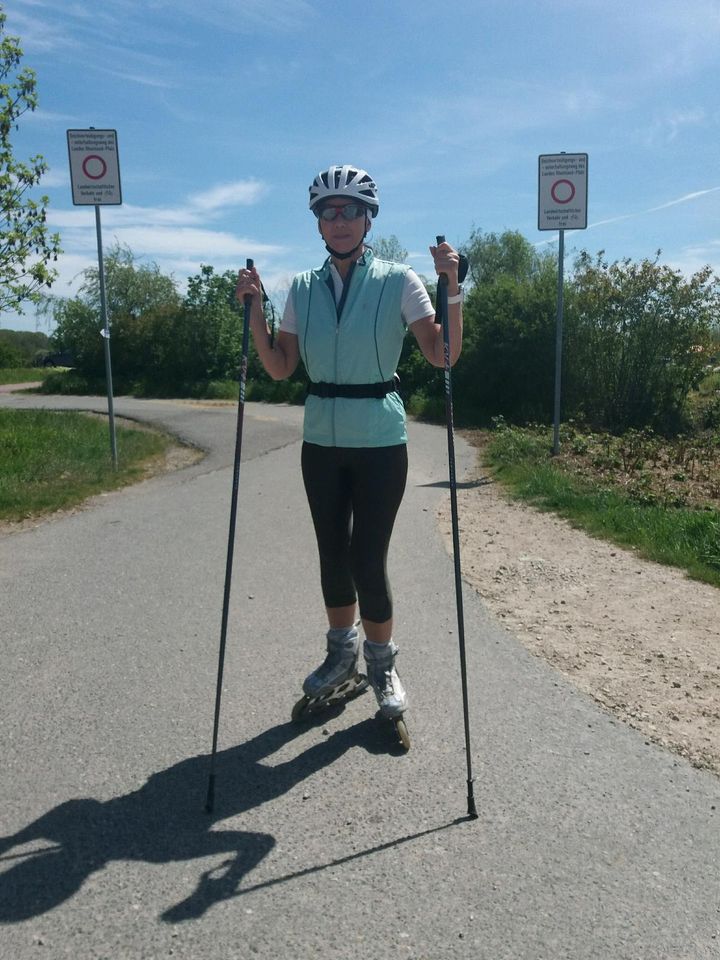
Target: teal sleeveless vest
(362, 346)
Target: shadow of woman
(164, 821)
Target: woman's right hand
(248, 285)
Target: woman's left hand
(446, 261)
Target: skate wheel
(300, 709)
(402, 733)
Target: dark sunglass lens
(350, 211)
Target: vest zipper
(339, 309)
(334, 402)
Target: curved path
(324, 841)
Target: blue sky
(226, 109)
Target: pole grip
(441, 296)
(247, 299)
(442, 278)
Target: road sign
(94, 167)
(562, 191)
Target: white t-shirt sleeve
(416, 302)
(288, 324)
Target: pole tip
(472, 810)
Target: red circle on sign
(554, 187)
(86, 171)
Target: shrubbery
(22, 348)
(637, 340)
(639, 336)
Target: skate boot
(387, 685)
(337, 678)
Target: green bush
(72, 383)
(222, 390)
(9, 357)
(27, 346)
(507, 364)
(637, 339)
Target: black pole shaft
(247, 306)
(442, 298)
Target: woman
(347, 321)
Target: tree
(507, 362)
(142, 303)
(212, 326)
(638, 337)
(10, 358)
(389, 248)
(27, 347)
(131, 287)
(509, 254)
(163, 344)
(26, 247)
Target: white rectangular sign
(94, 167)
(562, 191)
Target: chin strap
(344, 256)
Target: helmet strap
(344, 256)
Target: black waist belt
(355, 391)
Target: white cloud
(77, 217)
(188, 242)
(240, 193)
(47, 116)
(176, 238)
(197, 210)
(246, 16)
(70, 267)
(691, 259)
(53, 178)
(38, 35)
(672, 125)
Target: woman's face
(341, 234)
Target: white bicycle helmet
(345, 181)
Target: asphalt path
(325, 840)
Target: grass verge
(678, 536)
(21, 375)
(55, 460)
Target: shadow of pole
(341, 861)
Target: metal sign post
(562, 205)
(95, 179)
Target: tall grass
(678, 536)
(21, 375)
(51, 460)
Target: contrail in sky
(688, 196)
(640, 213)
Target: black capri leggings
(354, 496)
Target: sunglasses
(349, 211)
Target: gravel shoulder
(641, 639)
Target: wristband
(458, 298)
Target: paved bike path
(325, 840)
